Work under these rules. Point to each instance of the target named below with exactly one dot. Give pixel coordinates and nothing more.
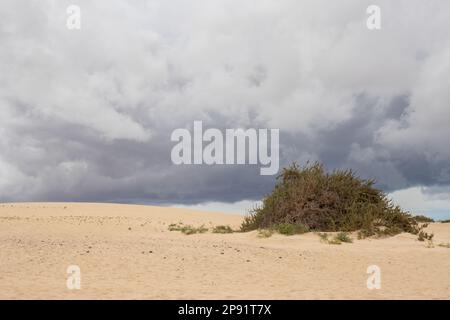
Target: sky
(87, 115)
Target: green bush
(222, 229)
(343, 237)
(322, 201)
(289, 229)
(337, 239)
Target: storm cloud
(87, 115)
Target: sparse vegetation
(339, 238)
(343, 237)
(444, 245)
(422, 236)
(265, 233)
(290, 229)
(445, 221)
(222, 229)
(175, 226)
(323, 236)
(430, 244)
(187, 229)
(334, 241)
(329, 202)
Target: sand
(127, 252)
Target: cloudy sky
(87, 115)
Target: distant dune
(127, 252)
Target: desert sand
(127, 252)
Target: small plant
(175, 226)
(290, 229)
(337, 239)
(422, 236)
(285, 228)
(187, 229)
(222, 229)
(362, 234)
(444, 245)
(265, 233)
(343, 237)
(323, 237)
(429, 244)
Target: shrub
(290, 229)
(343, 237)
(445, 221)
(222, 229)
(444, 245)
(337, 239)
(285, 228)
(322, 201)
(187, 229)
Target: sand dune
(127, 252)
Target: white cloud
(417, 201)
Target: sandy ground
(127, 252)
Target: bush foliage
(222, 229)
(290, 229)
(337, 201)
(187, 229)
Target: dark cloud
(87, 115)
